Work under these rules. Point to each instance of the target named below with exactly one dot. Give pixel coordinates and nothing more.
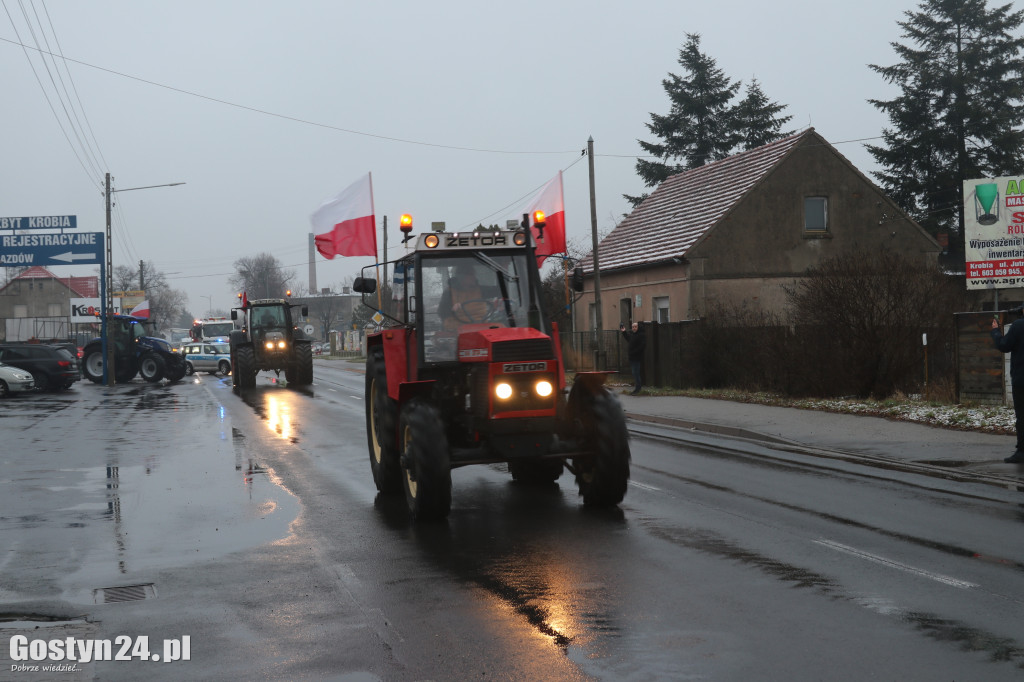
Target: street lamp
(209, 310)
(107, 270)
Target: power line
(294, 119)
(35, 73)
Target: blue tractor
(134, 353)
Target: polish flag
(141, 310)
(550, 200)
(347, 223)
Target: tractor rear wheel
(92, 364)
(601, 425)
(303, 364)
(152, 367)
(381, 426)
(425, 461)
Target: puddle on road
(144, 477)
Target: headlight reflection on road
(279, 417)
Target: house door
(626, 312)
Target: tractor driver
(266, 319)
(463, 301)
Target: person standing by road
(1013, 343)
(637, 344)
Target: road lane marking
(645, 487)
(944, 579)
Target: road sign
(43, 222)
(81, 248)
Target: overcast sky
(461, 110)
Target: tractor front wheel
(245, 363)
(425, 461)
(151, 367)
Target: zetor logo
(511, 367)
(476, 240)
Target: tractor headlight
(543, 388)
(281, 345)
(270, 345)
(503, 391)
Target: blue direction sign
(43, 222)
(81, 248)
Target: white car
(14, 380)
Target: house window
(54, 310)
(661, 309)
(21, 310)
(815, 214)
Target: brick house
(37, 303)
(735, 231)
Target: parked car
(208, 357)
(14, 380)
(52, 368)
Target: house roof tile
(683, 208)
(83, 287)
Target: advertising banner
(85, 310)
(994, 232)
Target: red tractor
(467, 369)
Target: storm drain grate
(112, 595)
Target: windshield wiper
(494, 265)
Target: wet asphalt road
(251, 526)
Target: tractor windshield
(270, 317)
(468, 292)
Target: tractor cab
(457, 285)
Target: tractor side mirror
(364, 285)
(577, 279)
(305, 311)
(234, 314)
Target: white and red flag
(346, 225)
(550, 200)
(141, 310)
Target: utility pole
(108, 302)
(599, 321)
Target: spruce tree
(698, 128)
(703, 124)
(756, 120)
(960, 112)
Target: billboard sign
(994, 232)
(84, 310)
(43, 222)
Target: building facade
(735, 232)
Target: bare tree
(869, 310)
(261, 276)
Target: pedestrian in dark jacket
(637, 344)
(1013, 343)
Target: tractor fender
(584, 385)
(408, 390)
(395, 343)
